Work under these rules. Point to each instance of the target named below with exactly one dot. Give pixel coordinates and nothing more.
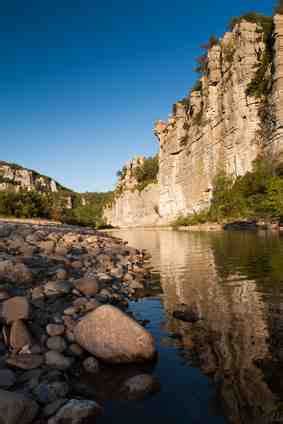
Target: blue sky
(83, 81)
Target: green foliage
(88, 213)
(197, 86)
(31, 204)
(147, 172)
(279, 7)
(256, 195)
(122, 173)
(253, 17)
(24, 204)
(192, 219)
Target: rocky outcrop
(218, 127)
(215, 128)
(15, 177)
(133, 207)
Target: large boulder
(112, 336)
(15, 408)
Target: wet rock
(16, 408)
(4, 295)
(76, 412)
(15, 308)
(7, 379)
(56, 343)
(187, 314)
(49, 392)
(75, 350)
(19, 335)
(87, 286)
(25, 361)
(53, 407)
(57, 360)
(91, 365)
(55, 329)
(139, 386)
(112, 336)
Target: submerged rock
(15, 408)
(76, 412)
(139, 386)
(112, 336)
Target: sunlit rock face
(17, 178)
(216, 129)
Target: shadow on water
(227, 367)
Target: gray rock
(91, 365)
(57, 288)
(57, 360)
(16, 408)
(139, 386)
(76, 412)
(7, 379)
(49, 392)
(56, 343)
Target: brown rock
(112, 336)
(19, 335)
(25, 362)
(16, 408)
(87, 286)
(55, 329)
(15, 308)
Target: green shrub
(147, 172)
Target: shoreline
(64, 297)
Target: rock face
(217, 127)
(113, 337)
(132, 207)
(16, 177)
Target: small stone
(53, 407)
(25, 361)
(56, 343)
(49, 392)
(57, 360)
(55, 329)
(15, 308)
(87, 286)
(139, 386)
(71, 310)
(77, 264)
(91, 365)
(4, 295)
(57, 288)
(7, 379)
(61, 274)
(76, 350)
(76, 412)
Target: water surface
(228, 367)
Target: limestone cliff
(131, 206)
(15, 177)
(222, 125)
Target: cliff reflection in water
(235, 282)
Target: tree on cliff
(279, 7)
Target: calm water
(227, 368)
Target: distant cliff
(15, 177)
(232, 115)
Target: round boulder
(112, 336)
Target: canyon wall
(16, 178)
(218, 127)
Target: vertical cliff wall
(221, 126)
(215, 129)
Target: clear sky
(82, 81)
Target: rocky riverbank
(64, 293)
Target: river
(228, 367)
